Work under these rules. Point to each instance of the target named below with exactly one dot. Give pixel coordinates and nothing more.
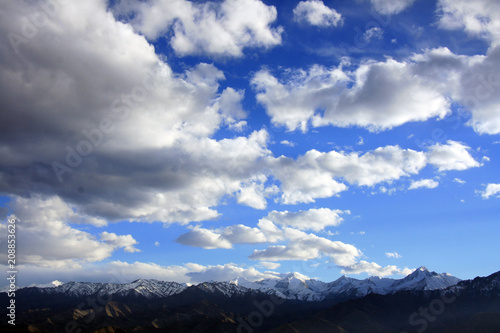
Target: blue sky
(195, 140)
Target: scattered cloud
(269, 265)
(374, 269)
(288, 143)
(423, 183)
(312, 219)
(459, 181)
(303, 246)
(490, 190)
(371, 33)
(126, 242)
(394, 255)
(451, 156)
(314, 12)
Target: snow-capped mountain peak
(423, 279)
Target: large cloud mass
(214, 28)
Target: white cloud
(389, 7)
(374, 32)
(228, 272)
(303, 246)
(459, 181)
(382, 95)
(222, 238)
(269, 265)
(312, 219)
(157, 244)
(243, 234)
(314, 12)
(231, 109)
(176, 178)
(253, 193)
(374, 269)
(451, 156)
(213, 28)
(393, 255)
(423, 183)
(271, 231)
(126, 242)
(491, 190)
(377, 96)
(48, 239)
(207, 239)
(317, 174)
(288, 143)
(480, 18)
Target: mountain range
(290, 303)
(291, 286)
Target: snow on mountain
(293, 286)
(147, 288)
(299, 287)
(423, 279)
(226, 288)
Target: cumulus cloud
(382, 95)
(87, 120)
(317, 174)
(451, 156)
(314, 12)
(423, 183)
(213, 28)
(377, 96)
(127, 242)
(490, 190)
(312, 219)
(48, 238)
(389, 7)
(480, 18)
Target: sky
(193, 141)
